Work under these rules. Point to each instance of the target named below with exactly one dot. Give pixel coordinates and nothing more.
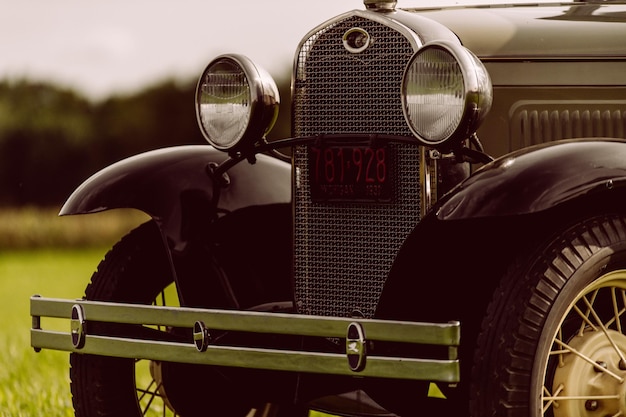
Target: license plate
(351, 173)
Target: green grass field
(37, 384)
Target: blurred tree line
(51, 139)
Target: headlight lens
(236, 102)
(446, 92)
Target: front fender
(450, 265)
(171, 185)
(539, 178)
(470, 236)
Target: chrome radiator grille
(344, 251)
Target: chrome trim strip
(542, 73)
(447, 334)
(428, 179)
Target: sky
(105, 47)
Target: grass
(41, 253)
(37, 384)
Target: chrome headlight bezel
(258, 101)
(456, 118)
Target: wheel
(552, 342)
(136, 270)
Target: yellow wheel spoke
(581, 397)
(550, 398)
(620, 354)
(153, 395)
(585, 317)
(616, 312)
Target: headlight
(236, 102)
(446, 93)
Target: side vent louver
(539, 122)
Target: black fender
(538, 178)
(172, 186)
(509, 202)
(450, 265)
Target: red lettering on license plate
(350, 173)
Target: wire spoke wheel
(586, 366)
(152, 399)
(147, 396)
(553, 342)
(136, 270)
(151, 395)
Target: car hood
(535, 31)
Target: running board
(357, 333)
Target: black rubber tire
(134, 271)
(537, 297)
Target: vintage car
(444, 233)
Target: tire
(552, 342)
(135, 270)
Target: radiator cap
(380, 5)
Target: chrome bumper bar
(357, 333)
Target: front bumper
(358, 334)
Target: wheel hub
(590, 377)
